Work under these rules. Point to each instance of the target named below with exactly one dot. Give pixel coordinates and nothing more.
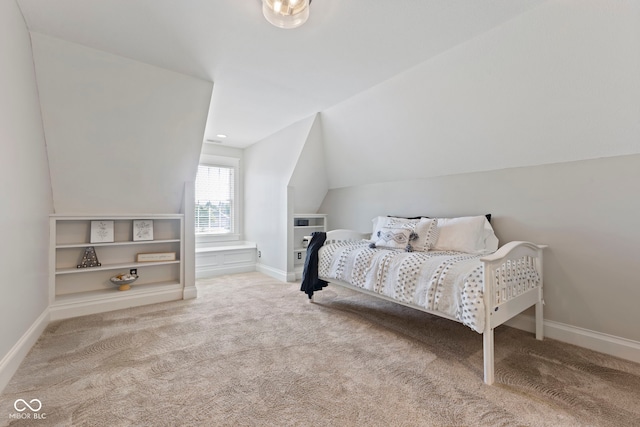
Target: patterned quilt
(447, 282)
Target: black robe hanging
(310, 281)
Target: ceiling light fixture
(286, 13)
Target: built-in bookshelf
(78, 287)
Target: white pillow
(378, 223)
(427, 231)
(491, 241)
(471, 234)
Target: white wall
(556, 84)
(215, 149)
(269, 165)
(548, 105)
(309, 181)
(25, 191)
(586, 211)
(122, 136)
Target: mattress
(445, 282)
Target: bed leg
(539, 321)
(487, 346)
(312, 299)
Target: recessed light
(221, 135)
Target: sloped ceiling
(267, 78)
(557, 84)
(122, 136)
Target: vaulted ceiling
(266, 78)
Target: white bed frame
(508, 292)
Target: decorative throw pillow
(425, 230)
(380, 222)
(394, 238)
(463, 234)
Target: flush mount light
(286, 13)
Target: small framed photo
(142, 229)
(101, 232)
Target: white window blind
(214, 199)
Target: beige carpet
(250, 351)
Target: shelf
(98, 301)
(81, 217)
(297, 252)
(139, 242)
(102, 294)
(113, 267)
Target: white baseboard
(603, 343)
(204, 272)
(12, 360)
(117, 301)
(281, 275)
(190, 292)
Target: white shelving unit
(77, 291)
(304, 225)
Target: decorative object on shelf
(89, 258)
(101, 232)
(157, 256)
(286, 13)
(124, 281)
(305, 241)
(142, 229)
(300, 222)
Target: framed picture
(142, 229)
(101, 231)
(157, 257)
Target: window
(215, 191)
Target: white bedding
(447, 282)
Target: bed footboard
(512, 283)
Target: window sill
(208, 239)
(227, 247)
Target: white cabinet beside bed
(304, 225)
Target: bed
(449, 267)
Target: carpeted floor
(250, 351)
